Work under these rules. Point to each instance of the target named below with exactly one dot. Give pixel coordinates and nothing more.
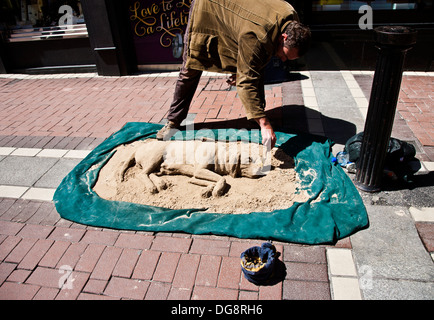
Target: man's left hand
(232, 80)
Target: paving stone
(52, 153)
(341, 262)
(88, 296)
(24, 171)
(210, 293)
(17, 291)
(306, 271)
(10, 228)
(305, 290)
(207, 274)
(158, 291)
(12, 191)
(213, 247)
(171, 244)
(35, 231)
(391, 250)
(5, 270)
(46, 294)
(53, 255)
(179, 294)
(100, 237)
(396, 289)
(71, 256)
(43, 214)
(74, 283)
(422, 214)
(42, 194)
(19, 275)
(26, 152)
(230, 273)
(46, 277)
(345, 288)
(166, 267)
(426, 233)
(137, 241)
(273, 292)
(186, 272)
(106, 263)
(5, 151)
(95, 286)
(126, 263)
(67, 234)
(298, 253)
(36, 253)
(90, 257)
(8, 245)
(386, 251)
(146, 265)
(77, 154)
(19, 252)
(27, 211)
(127, 288)
(5, 204)
(54, 176)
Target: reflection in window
(342, 5)
(26, 20)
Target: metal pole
(393, 43)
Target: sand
(276, 190)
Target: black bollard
(393, 43)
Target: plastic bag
(258, 263)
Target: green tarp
(334, 210)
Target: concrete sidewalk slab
(392, 256)
(54, 176)
(23, 171)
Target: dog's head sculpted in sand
(206, 162)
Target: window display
(26, 20)
(342, 5)
(157, 28)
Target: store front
(128, 36)
(42, 35)
(157, 29)
(342, 32)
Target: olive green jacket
(238, 36)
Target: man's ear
(283, 37)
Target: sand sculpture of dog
(206, 162)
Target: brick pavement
(46, 257)
(89, 108)
(414, 112)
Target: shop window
(27, 20)
(341, 5)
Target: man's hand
(232, 80)
(267, 132)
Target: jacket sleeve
(252, 58)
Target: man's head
(294, 42)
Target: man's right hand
(267, 132)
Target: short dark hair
(298, 37)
